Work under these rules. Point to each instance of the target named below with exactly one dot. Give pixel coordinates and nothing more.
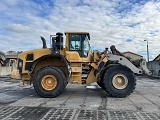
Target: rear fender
(54, 59)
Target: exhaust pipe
(44, 42)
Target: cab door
(78, 47)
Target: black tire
(100, 84)
(55, 87)
(119, 81)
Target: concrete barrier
(7, 70)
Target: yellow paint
(73, 58)
(91, 77)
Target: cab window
(79, 43)
(75, 42)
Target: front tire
(49, 82)
(100, 84)
(119, 81)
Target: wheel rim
(49, 82)
(120, 81)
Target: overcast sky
(124, 23)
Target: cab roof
(76, 32)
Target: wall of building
(154, 66)
(158, 57)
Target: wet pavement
(78, 102)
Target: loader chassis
(51, 69)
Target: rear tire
(119, 81)
(49, 82)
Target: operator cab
(80, 43)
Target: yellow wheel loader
(50, 69)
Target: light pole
(147, 51)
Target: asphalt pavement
(79, 102)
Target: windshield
(75, 42)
